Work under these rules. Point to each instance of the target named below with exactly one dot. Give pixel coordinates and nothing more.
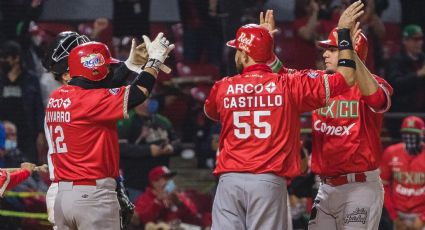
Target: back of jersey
(260, 127)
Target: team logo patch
(356, 216)
(66, 103)
(114, 91)
(313, 74)
(271, 87)
(245, 42)
(93, 60)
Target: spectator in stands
(162, 201)
(412, 12)
(407, 72)
(147, 140)
(403, 173)
(131, 18)
(12, 156)
(20, 100)
(306, 30)
(202, 31)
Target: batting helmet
(361, 44)
(255, 40)
(90, 60)
(56, 58)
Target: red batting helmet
(255, 40)
(90, 60)
(361, 44)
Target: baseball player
(82, 138)
(9, 180)
(260, 137)
(56, 62)
(403, 175)
(346, 143)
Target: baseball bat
(41, 168)
(165, 68)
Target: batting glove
(137, 58)
(159, 48)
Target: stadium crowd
(171, 124)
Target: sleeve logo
(93, 60)
(313, 74)
(344, 43)
(114, 91)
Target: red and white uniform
(346, 133)
(10, 180)
(259, 112)
(404, 181)
(81, 128)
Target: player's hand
(137, 58)
(267, 21)
(350, 15)
(158, 48)
(168, 149)
(28, 166)
(355, 34)
(155, 150)
(399, 225)
(418, 224)
(421, 72)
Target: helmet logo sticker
(93, 60)
(245, 42)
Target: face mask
(10, 145)
(153, 106)
(170, 186)
(412, 142)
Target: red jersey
(80, 125)
(260, 112)
(346, 133)
(404, 179)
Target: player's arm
(376, 95)
(346, 24)
(158, 51)
(210, 106)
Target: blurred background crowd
(170, 129)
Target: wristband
(347, 63)
(344, 39)
(145, 80)
(154, 64)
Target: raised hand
(159, 48)
(137, 58)
(267, 21)
(350, 15)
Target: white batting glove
(137, 57)
(159, 48)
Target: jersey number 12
(58, 144)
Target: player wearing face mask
(403, 175)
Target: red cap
(90, 60)
(361, 44)
(255, 40)
(158, 172)
(413, 124)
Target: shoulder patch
(114, 91)
(312, 74)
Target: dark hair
(10, 49)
